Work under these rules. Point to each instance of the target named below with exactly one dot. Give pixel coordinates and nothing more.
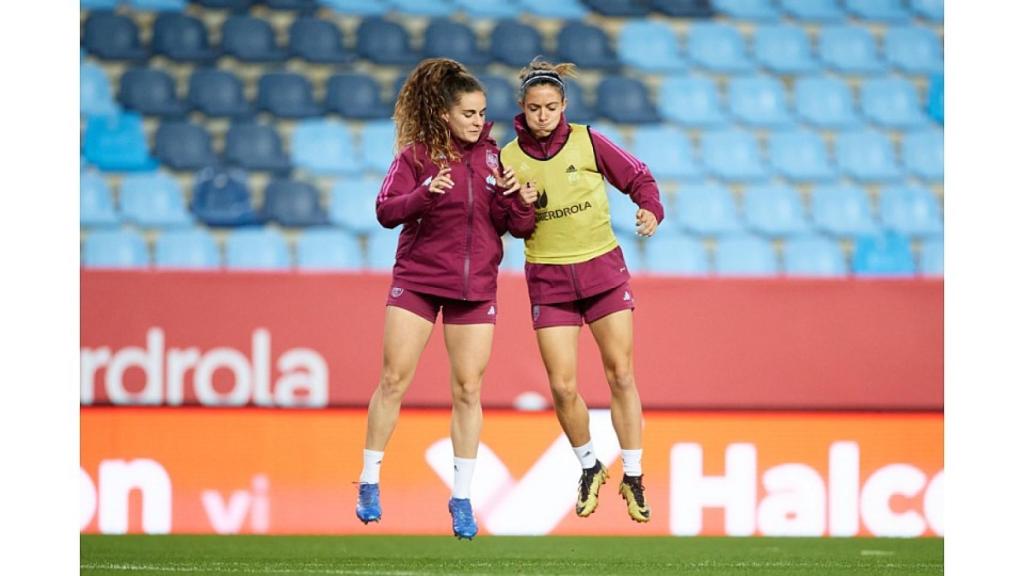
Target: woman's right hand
(528, 194)
(442, 182)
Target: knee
(393, 383)
(563, 389)
(620, 378)
(466, 390)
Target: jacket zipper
(469, 235)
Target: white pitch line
(238, 570)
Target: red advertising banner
(201, 470)
(296, 339)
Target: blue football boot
(463, 523)
(368, 507)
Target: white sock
(463, 477)
(586, 455)
(371, 467)
(631, 462)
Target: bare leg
(559, 349)
(405, 336)
(469, 349)
(614, 336)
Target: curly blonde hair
(541, 72)
(434, 86)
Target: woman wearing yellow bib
(575, 270)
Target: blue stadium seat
(891, 11)
(745, 255)
(384, 42)
(184, 146)
(96, 203)
(328, 249)
(719, 48)
(236, 6)
(619, 8)
(116, 142)
(800, 155)
(849, 49)
(867, 155)
(883, 254)
(293, 203)
(250, 39)
(254, 146)
(182, 38)
(733, 155)
(757, 10)
(423, 7)
(923, 154)
(784, 49)
(318, 41)
(691, 101)
(489, 8)
(152, 92)
(759, 101)
(187, 248)
(842, 210)
(514, 43)
(563, 9)
(99, 4)
(287, 95)
(378, 145)
(153, 200)
(677, 255)
(932, 257)
(625, 100)
(353, 204)
(579, 110)
(514, 258)
(622, 211)
(157, 5)
(502, 104)
(667, 152)
(95, 95)
(928, 9)
(937, 98)
(381, 245)
(913, 49)
(823, 11)
(910, 210)
(587, 46)
(813, 256)
(115, 249)
(774, 210)
(357, 7)
(892, 103)
(611, 132)
(221, 198)
(706, 209)
(650, 46)
(445, 38)
(355, 95)
(112, 36)
(324, 147)
(256, 249)
(825, 102)
(218, 94)
(684, 8)
(300, 6)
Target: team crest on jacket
(396, 292)
(492, 160)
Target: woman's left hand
(507, 182)
(646, 223)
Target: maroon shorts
(575, 312)
(455, 311)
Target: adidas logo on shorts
(490, 311)
(626, 296)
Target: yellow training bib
(573, 221)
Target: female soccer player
(448, 191)
(575, 270)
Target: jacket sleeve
(627, 173)
(509, 214)
(401, 198)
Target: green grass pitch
(547, 555)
